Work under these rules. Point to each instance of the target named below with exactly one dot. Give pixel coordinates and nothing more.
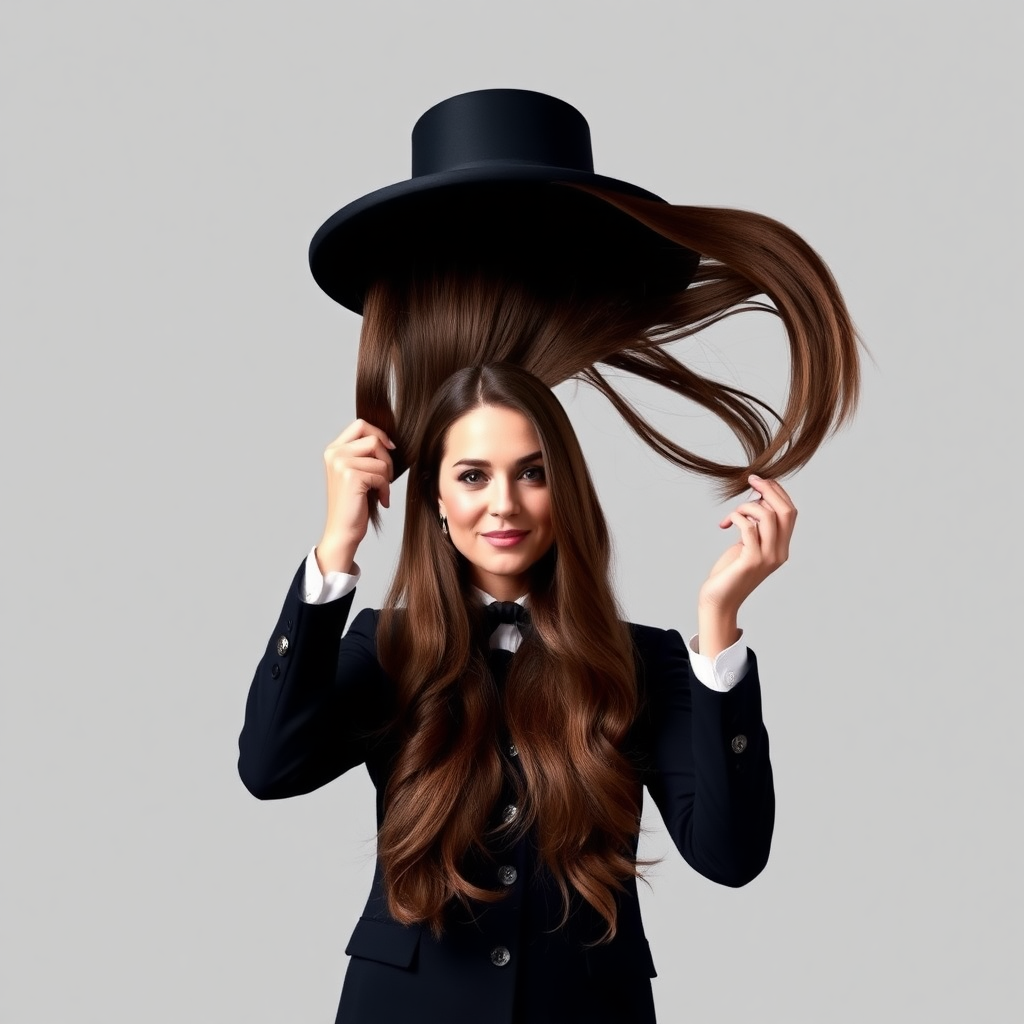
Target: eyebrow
(484, 464)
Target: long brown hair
(568, 702)
(445, 313)
(422, 325)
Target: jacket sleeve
(317, 702)
(706, 762)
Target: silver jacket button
(500, 956)
(509, 813)
(507, 874)
(282, 645)
(739, 744)
(513, 750)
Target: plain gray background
(172, 374)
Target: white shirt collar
(486, 598)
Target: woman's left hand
(766, 527)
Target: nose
(504, 502)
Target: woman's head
(499, 465)
(493, 498)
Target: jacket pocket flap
(385, 941)
(631, 956)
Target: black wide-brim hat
(491, 181)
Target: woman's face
(494, 493)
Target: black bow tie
(499, 612)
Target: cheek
(464, 509)
(541, 509)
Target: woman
(509, 788)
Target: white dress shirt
(721, 673)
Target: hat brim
(525, 219)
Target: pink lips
(505, 538)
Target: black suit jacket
(315, 704)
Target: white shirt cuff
(725, 671)
(319, 589)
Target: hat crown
(501, 125)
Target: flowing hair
(567, 704)
(571, 693)
(424, 323)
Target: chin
(501, 565)
(505, 566)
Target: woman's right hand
(357, 461)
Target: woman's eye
(532, 474)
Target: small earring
(444, 525)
